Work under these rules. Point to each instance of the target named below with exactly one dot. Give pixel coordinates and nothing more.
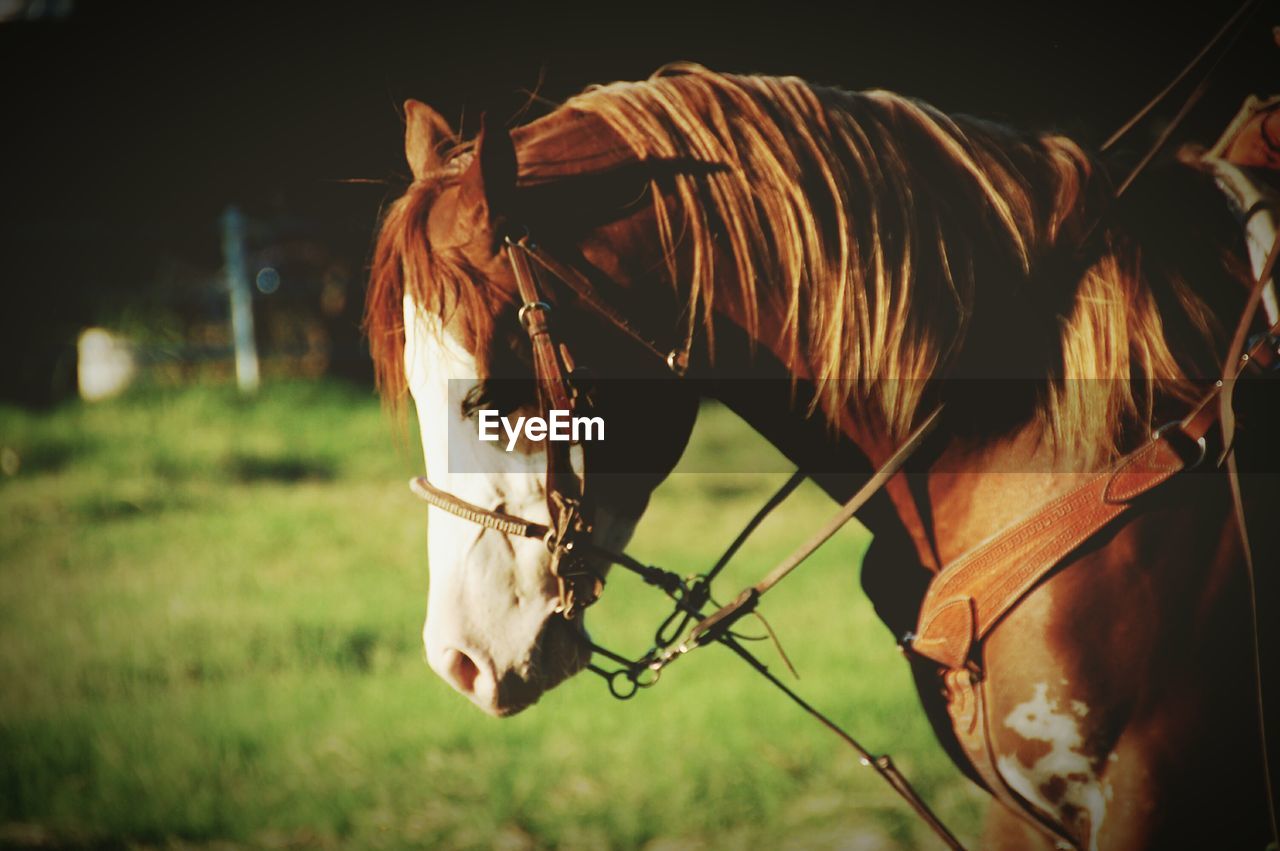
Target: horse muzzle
(502, 690)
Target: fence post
(233, 255)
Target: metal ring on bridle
(551, 540)
(646, 676)
(1191, 449)
(621, 692)
(523, 314)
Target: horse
(861, 258)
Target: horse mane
(880, 230)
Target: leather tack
(1142, 471)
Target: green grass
(210, 618)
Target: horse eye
(477, 399)
(506, 397)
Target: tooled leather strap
(967, 599)
(972, 594)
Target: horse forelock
(873, 224)
(439, 282)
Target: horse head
(495, 627)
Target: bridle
(568, 537)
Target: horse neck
(1175, 235)
(997, 465)
(752, 381)
(978, 482)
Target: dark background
(127, 129)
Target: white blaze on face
(491, 595)
(1063, 778)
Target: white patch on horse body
(1065, 767)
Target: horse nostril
(462, 671)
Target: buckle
(1191, 451)
(522, 316)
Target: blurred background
(212, 578)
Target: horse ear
(424, 131)
(488, 185)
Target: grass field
(210, 619)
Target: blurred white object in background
(236, 270)
(106, 364)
